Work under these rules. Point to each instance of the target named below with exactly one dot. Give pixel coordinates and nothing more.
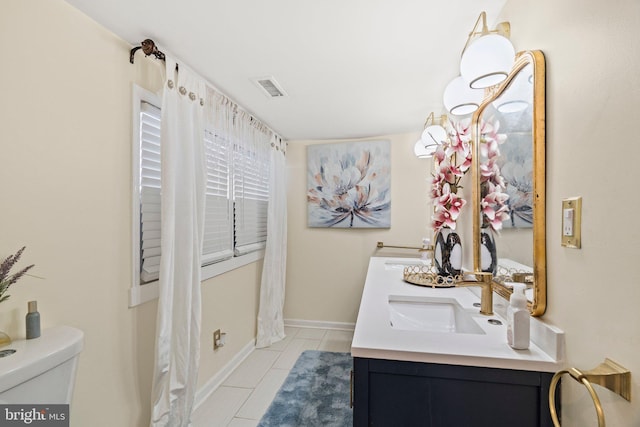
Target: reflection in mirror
(514, 163)
(509, 131)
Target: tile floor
(247, 393)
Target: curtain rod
(149, 47)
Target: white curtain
(179, 304)
(270, 317)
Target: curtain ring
(587, 384)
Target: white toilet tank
(41, 370)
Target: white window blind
(236, 148)
(149, 192)
(218, 229)
(251, 198)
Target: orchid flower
(499, 217)
(443, 218)
(456, 205)
(449, 170)
(464, 167)
(490, 139)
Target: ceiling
(350, 69)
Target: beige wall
(65, 183)
(326, 267)
(593, 104)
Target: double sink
(402, 321)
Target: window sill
(139, 294)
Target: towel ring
(608, 374)
(587, 384)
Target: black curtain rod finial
(149, 48)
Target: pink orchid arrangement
(452, 160)
(492, 185)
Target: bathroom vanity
(427, 357)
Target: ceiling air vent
(270, 87)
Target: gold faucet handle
(522, 277)
(483, 276)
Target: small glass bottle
(33, 321)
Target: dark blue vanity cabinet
(412, 394)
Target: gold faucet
(485, 282)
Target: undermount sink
(431, 314)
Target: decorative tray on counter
(427, 275)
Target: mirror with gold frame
(509, 150)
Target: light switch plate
(571, 222)
(567, 222)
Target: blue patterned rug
(315, 394)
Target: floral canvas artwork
(517, 168)
(349, 185)
(516, 165)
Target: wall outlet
(572, 222)
(217, 343)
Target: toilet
(41, 370)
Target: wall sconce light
(459, 99)
(432, 136)
(487, 60)
(519, 94)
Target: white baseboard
(319, 324)
(217, 380)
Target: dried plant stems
(7, 279)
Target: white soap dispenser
(518, 318)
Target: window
(237, 194)
(218, 224)
(251, 195)
(149, 190)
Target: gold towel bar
(608, 374)
(381, 245)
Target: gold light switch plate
(571, 222)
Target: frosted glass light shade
(487, 61)
(519, 95)
(423, 151)
(434, 134)
(460, 99)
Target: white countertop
(374, 337)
